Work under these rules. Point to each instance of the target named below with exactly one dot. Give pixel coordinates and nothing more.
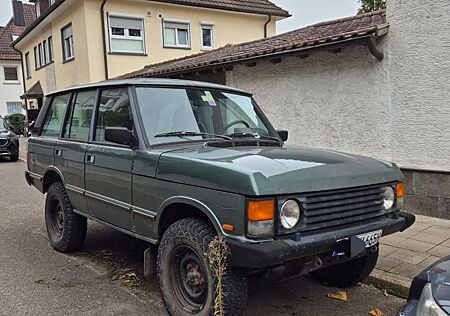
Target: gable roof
(6, 50)
(320, 34)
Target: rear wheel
(66, 230)
(188, 284)
(349, 273)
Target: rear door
(70, 150)
(108, 165)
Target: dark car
(9, 142)
(178, 163)
(430, 292)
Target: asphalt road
(105, 278)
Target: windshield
(200, 114)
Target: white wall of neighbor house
(337, 101)
(10, 90)
(418, 66)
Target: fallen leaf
(385, 293)
(341, 296)
(376, 312)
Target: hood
(256, 171)
(439, 277)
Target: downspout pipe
(266, 26)
(23, 72)
(105, 49)
(372, 45)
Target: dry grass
(218, 252)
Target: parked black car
(430, 292)
(9, 142)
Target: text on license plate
(372, 238)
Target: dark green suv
(177, 163)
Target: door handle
(58, 152)
(90, 159)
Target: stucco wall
(418, 64)
(9, 92)
(335, 101)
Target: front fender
(188, 201)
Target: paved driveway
(35, 280)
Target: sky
(304, 12)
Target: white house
(376, 84)
(11, 81)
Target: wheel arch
(51, 175)
(177, 208)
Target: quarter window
(177, 34)
(114, 111)
(11, 74)
(126, 35)
(207, 36)
(80, 115)
(67, 42)
(55, 116)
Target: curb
(394, 283)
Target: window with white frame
(177, 34)
(126, 34)
(207, 35)
(11, 73)
(67, 43)
(14, 107)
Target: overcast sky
(304, 12)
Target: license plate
(372, 238)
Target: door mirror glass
(284, 135)
(118, 135)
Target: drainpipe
(266, 25)
(372, 45)
(23, 75)
(105, 49)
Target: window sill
(43, 66)
(206, 49)
(177, 47)
(128, 53)
(68, 60)
(11, 82)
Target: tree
(371, 5)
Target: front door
(70, 150)
(109, 166)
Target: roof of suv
(152, 82)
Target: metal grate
(343, 207)
(242, 143)
(3, 142)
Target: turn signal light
(261, 210)
(400, 190)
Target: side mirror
(284, 135)
(119, 135)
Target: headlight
(290, 214)
(389, 198)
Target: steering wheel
(235, 123)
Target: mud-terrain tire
(348, 274)
(183, 252)
(66, 230)
(14, 158)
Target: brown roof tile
(308, 37)
(10, 29)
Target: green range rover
(177, 163)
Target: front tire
(66, 230)
(187, 283)
(349, 273)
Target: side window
(80, 116)
(114, 111)
(55, 116)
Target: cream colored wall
(229, 27)
(88, 65)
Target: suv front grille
(332, 209)
(3, 142)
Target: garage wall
(330, 100)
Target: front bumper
(11, 148)
(279, 252)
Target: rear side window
(114, 111)
(80, 116)
(55, 116)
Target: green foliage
(17, 122)
(371, 5)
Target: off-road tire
(347, 274)
(14, 158)
(74, 226)
(197, 234)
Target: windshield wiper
(253, 135)
(182, 134)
